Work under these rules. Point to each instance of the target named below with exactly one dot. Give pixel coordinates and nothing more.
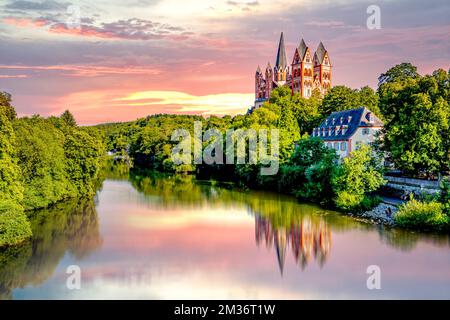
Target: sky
(118, 60)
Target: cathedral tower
(322, 69)
(302, 70)
(281, 69)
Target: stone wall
(400, 187)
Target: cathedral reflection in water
(307, 240)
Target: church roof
(281, 54)
(352, 119)
(258, 70)
(320, 52)
(302, 49)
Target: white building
(345, 130)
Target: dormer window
(329, 131)
(349, 119)
(344, 129)
(333, 121)
(341, 120)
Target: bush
(445, 196)
(348, 201)
(422, 215)
(359, 175)
(14, 225)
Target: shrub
(422, 215)
(348, 201)
(14, 225)
(359, 175)
(445, 196)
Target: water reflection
(307, 240)
(71, 227)
(174, 237)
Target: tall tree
(5, 102)
(289, 132)
(400, 72)
(368, 98)
(68, 119)
(10, 185)
(417, 130)
(339, 98)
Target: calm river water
(174, 238)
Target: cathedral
(306, 72)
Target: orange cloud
(97, 106)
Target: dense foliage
(422, 215)
(358, 176)
(42, 161)
(309, 172)
(417, 113)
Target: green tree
(417, 130)
(400, 72)
(368, 98)
(8, 109)
(14, 225)
(10, 184)
(289, 133)
(68, 119)
(357, 176)
(83, 159)
(308, 173)
(42, 162)
(339, 98)
(307, 111)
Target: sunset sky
(128, 59)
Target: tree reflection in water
(70, 227)
(282, 224)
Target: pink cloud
(8, 76)
(88, 70)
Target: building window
(336, 145)
(329, 145)
(344, 146)
(365, 131)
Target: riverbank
(382, 214)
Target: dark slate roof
(320, 52)
(359, 118)
(302, 49)
(281, 54)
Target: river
(153, 237)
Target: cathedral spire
(320, 52)
(302, 49)
(281, 54)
